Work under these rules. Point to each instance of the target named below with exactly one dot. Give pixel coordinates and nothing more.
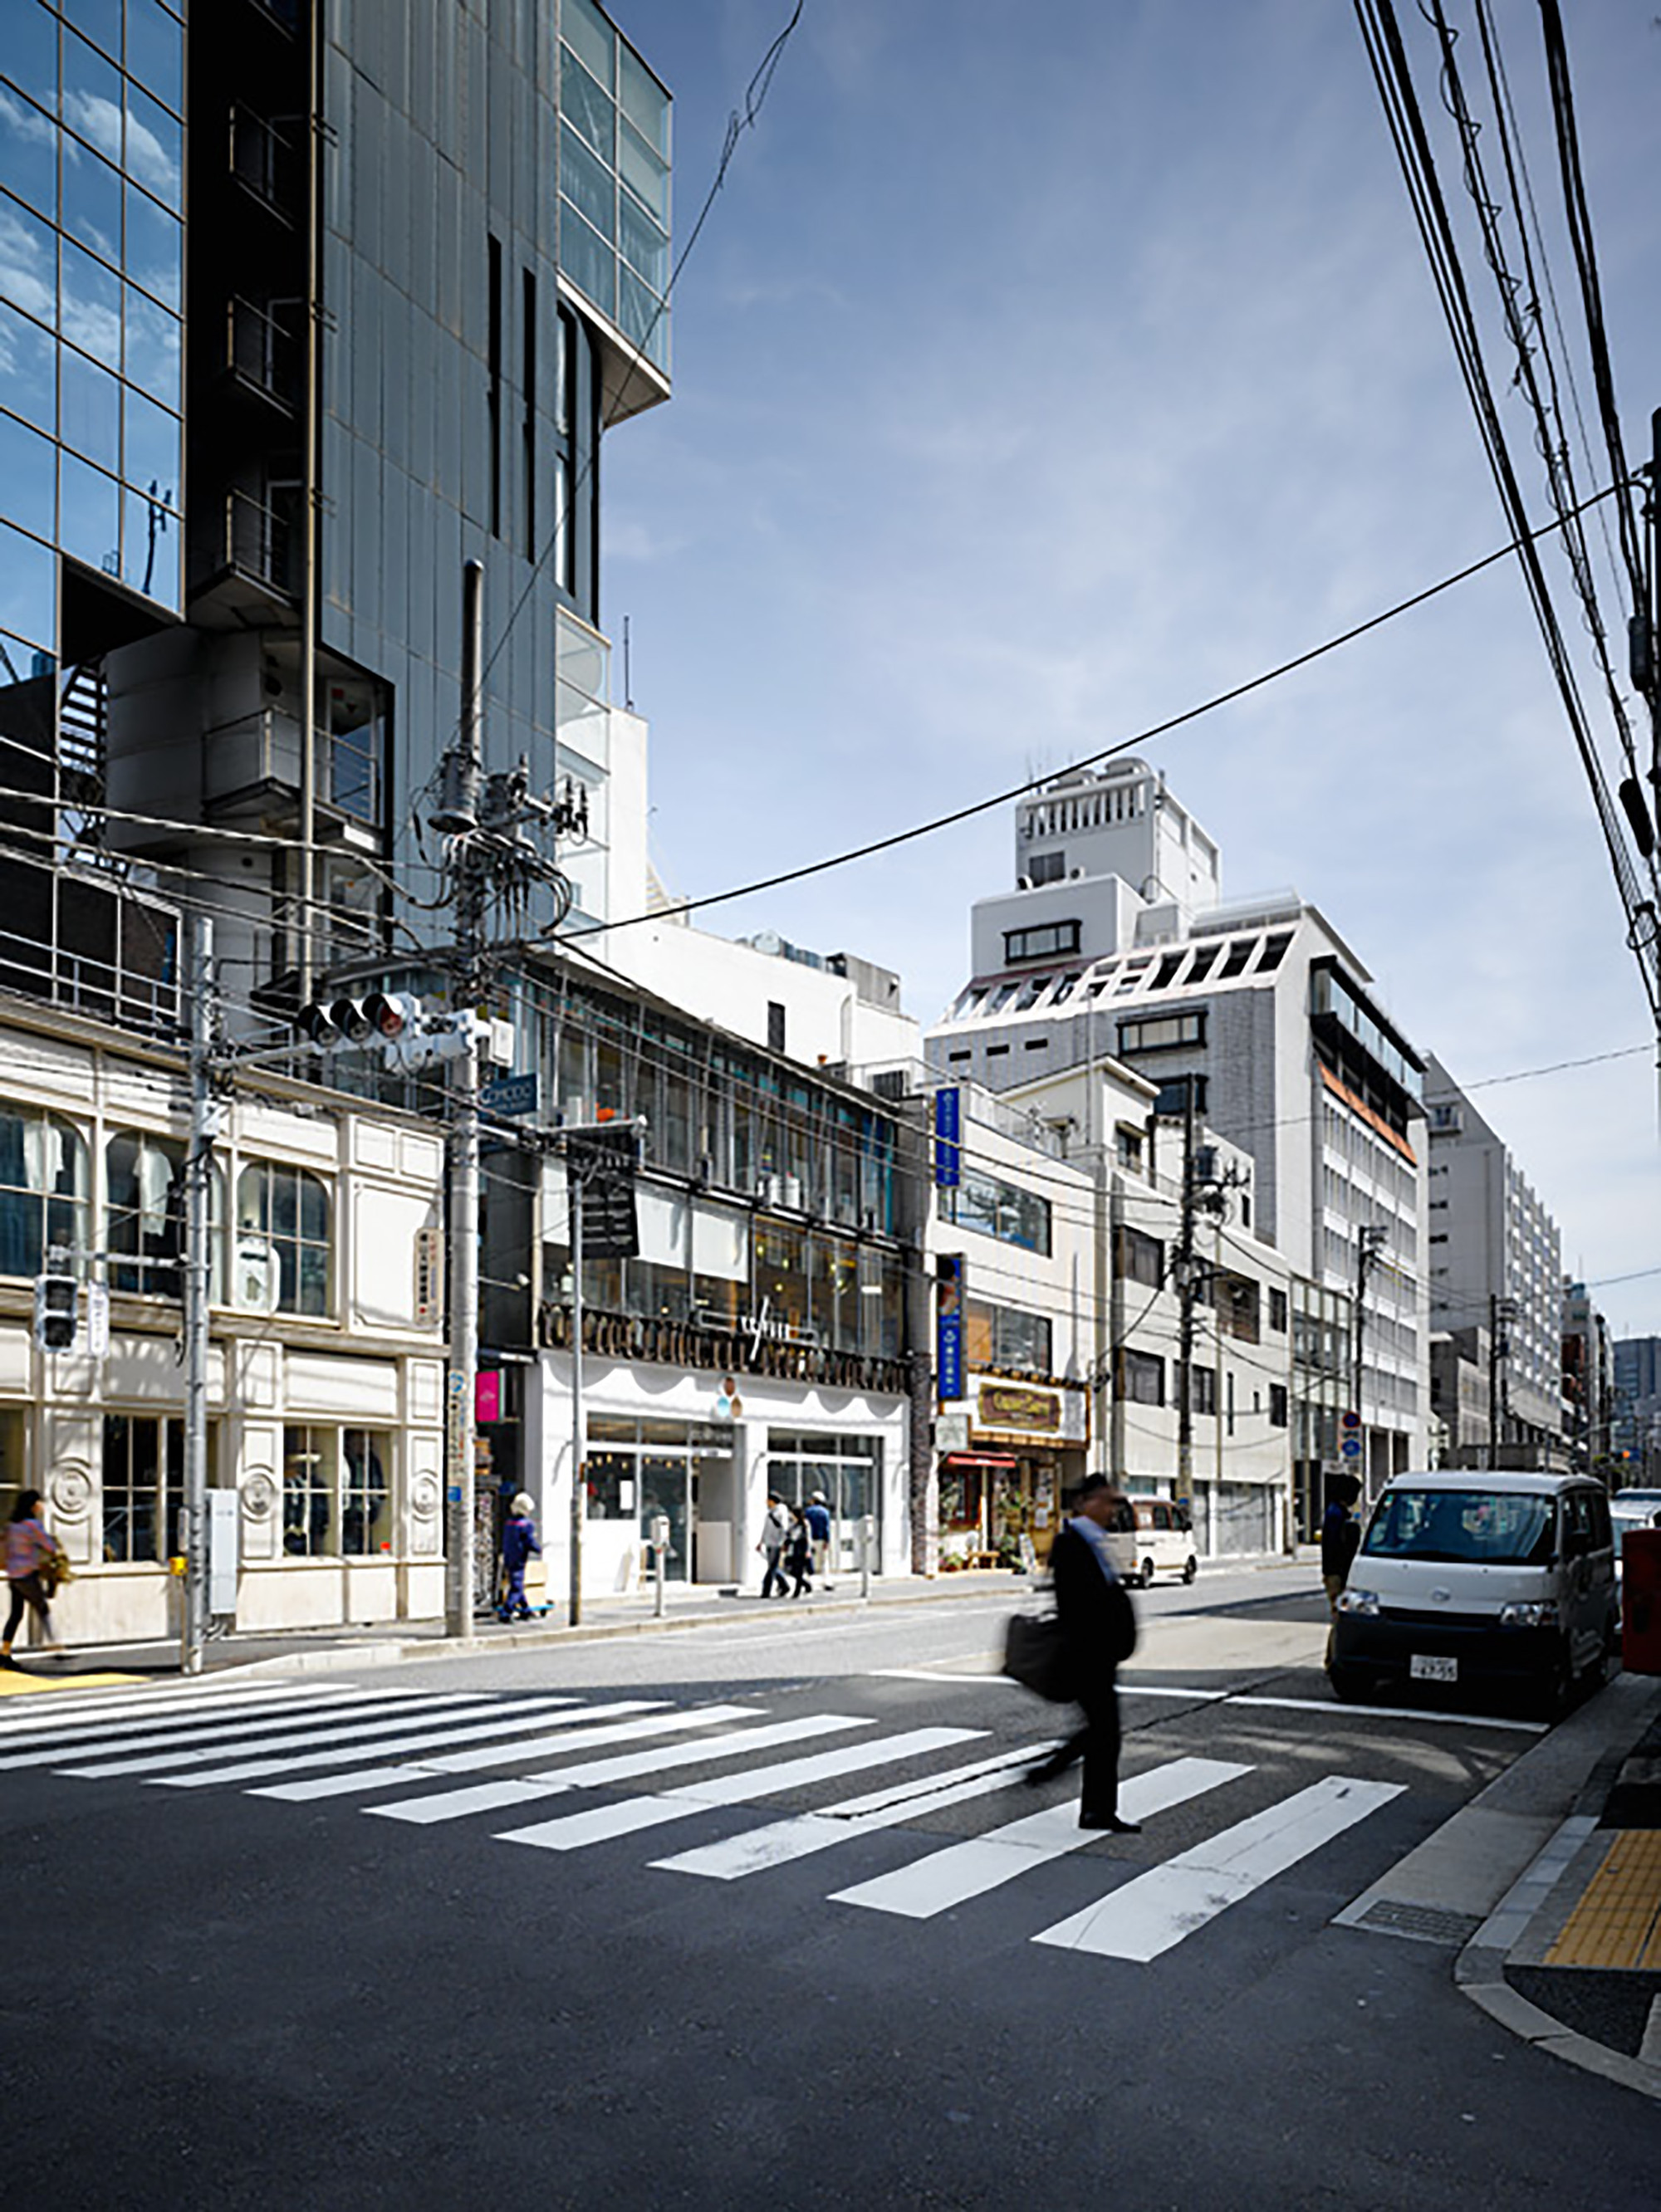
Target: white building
(326, 1356)
(1239, 1487)
(1496, 1262)
(1114, 946)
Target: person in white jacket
(774, 1533)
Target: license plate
(1426, 1666)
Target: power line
(1524, 539)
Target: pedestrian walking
(520, 1544)
(818, 1533)
(775, 1528)
(32, 1558)
(1097, 1633)
(799, 1551)
(1340, 1538)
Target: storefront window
(846, 1468)
(144, 1478)
(310, 1471)
(366, 1518)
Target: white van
(1161, 1542)
(1495, 1581)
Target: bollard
(867, 1539)
(1641, 1601)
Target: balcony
(263, 349)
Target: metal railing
(262, 348)
(259, 536)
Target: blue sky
(1039, 374)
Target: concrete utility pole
(1501, 1313)
(579, 1440)
(1187, 1271)
(198, 1186)
(1369, 1250)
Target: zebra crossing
(600, 1771)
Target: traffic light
(57, 1301)
(383, 1016)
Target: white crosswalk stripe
(734, 1856)
(602, 1773)
(196, 1754)
(588, 1727)
(61, 1714)
(124, 1747)
(1156, 1910)
(601, 1823)
(342, 1746)
(969, 1869)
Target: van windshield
(1489, 1528)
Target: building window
(1141, 1378)
(1277, 1405)
(1202, 1389)
(1048, 941)
(310, 1466)
(1159, 1032)
(1003, 1336)
(1277, 1310)
(1172, 1101)
(1046, 868)
(43, 1190)
(1141, 1258)
(775, 1026)
(1127, 1143)
(143, 1474)
(1000, 1209)
(144, 1212)
(289, 1208)
(366, 1498)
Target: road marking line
(588, 1729)
(214, 1738)
(1649, 2050)
(936, 1674)
(16, 1681)
(1391, 1713)
(968, 1869)
(455, 1804)
(734, 1856)
(603, 1823)
(1156, 1910)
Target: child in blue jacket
(520, 1544)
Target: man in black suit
(1093, 1606)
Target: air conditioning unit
(793, 1193)
(771, 1188)
(1023, 882)
(257, 1278)
(1075, 875)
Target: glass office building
(91, 295)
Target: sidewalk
(686, 1606)
(1550, 1881)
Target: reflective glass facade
(614, 179)
(91, 269)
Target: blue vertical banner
(948, 1325)
(948, 1140)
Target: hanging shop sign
(1053, 1415)
(948, 1325)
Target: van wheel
(1191, 1568)
(1558, 1694)
(1147, 1574)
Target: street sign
(511, 1094)
(950, 1433)
(1349, 1420)
(948, 1138)
(1351, 1447)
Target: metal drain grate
(1425, 1923)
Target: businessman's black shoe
(1112, 1825)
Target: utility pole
(1501, 1312)
(1369, 1249)
(199, 1181)
(1187, 1271)
(489, 859)
(579, 1442)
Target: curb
(324, 1658)
(1531, 1914)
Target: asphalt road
(628, 1967)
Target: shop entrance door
(666, 1487)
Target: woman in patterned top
(30, 1546)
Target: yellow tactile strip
(15, 1682)
(1617, 1921)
